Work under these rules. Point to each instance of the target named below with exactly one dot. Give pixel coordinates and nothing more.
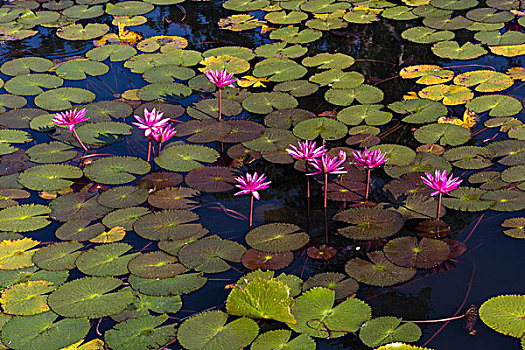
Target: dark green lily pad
(185, 157)
(58, 256)
(292, 35)
(273, 139)
(77, 206)
(105, 260)
(317, 316)
(512, 151)
(8, 196)
(489, 180)
(51, 152)
(20, 118)
(90, 297)
(327, 129)
(255, 259)
(116, 170)
(277, 237)
(49, 177)
(397, 154)
(209, 255)
(379, 272)
(469, 157)
(370, 114)
(517, 227)
(467, 199)
(408, 252)
(505, 200)
(384, 330)
(156, 265)
(369, 223)
(266, 102)
(364, 94)
(285, 118)
(423, 162)
(79, 230)
(167, 225)
(214, 332)
(173, 198)
(425, 35)
(125, 217)
(180, 284)
(337, 282)
(297, 88)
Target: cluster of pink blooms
(70, 118)
(221, 78)
(252, 184)
(316, 156)
(440, 183)
(155, 128)
(370, 159)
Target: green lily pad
(279, 69)
(497, 105)
(167, 225)
(51, 152)
(494, 38)
(277, 237)
(79, 32)
(26, 298)
(245, 5)
(489, 15)
(280, 339)
(168, 73)
(125, 217)
(91, 297)
(408, 252)
(58, 256)
(327, 129)
(105, 260)
(185, 157)
(454, 4)
(337, 282)
(504, 314)
(370, 114)
(155, 265)
(40, 332)
(8, 196)
(209, 255)
(360, 16)
(140, 333)
(285, 118)
(116, 170)
(9, 136)
(103, 111)
(384, 330)
(505, 200)
(447, 22)
(129, 8)
(512, 151)
(517, 227)
(214, 332)
(102, 133)
(329, 61)
(369, 223)
(26, 65)
(79, 230)
(379, 272)
(79, 68)
(280, 50)
(163, 91)
(77, 206)
(452, 50)
(425, 35)
(123, 197)
(297, 88)
(180, 284)
(420, 111)
(399, 13)
(273, 139)
(469, 157)
(236, 51)
(397, 154)
(364, 94)
(467, 199)
(49, 177)
(83, 11)
(261, 298)
(317, 316)
(32, 84)
(292, 35)
(266, 102)
(115, 53)
(445, 133)
(281, 17)
(62, 98)
(11, 101)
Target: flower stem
(325, 189)
(149, 151)
(307, 180)
(251, 211)
(220, 104)
(78, 139)
(436, 321)
(160, 144)
(367, 184)
(439, 206)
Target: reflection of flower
(252, 184)
(306, 151)
(370, 159)
(163, 134)
(221, 78)
(440, 183)
(70, 118)
(152, 121)
(330, 165)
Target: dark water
(491, 266)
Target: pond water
(366, 72)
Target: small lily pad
(337, 282)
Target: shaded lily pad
(370, 114)
(369, 223)
(364, 94)
(281, 339)
(517, 227)
(337, 282)
(408, 252)
(26, 65)
(8, 196)
(20, 118)
(467, 199)
(116, 170)
(384, 330)
(469, 157)
(327, 129)
(58, 256)
(255, 259)
(277, 238)
(497, 105)
(209, 255)
(9, 136)
(505, 200)
(297, 88)
(379, 272)
(167, 225)
(91, 297)
(423, 162)
(211, 179)
(123, 197)
(317, 316)
(77, 206)
(273, 139)
(174, 198)
(242, 131)
(160, 180)
(156, 265)
(105, 260)
(512, 151)
(214, 332)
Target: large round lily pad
(379, 271)
(408, 252)
(369, 223)
(105, 260)
(167, 225)
(78, 32)
(504, 314)
(277, 237)
(185, 157)
(209, 255)
(116, 170)
(62, 98)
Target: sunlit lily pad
(49, 177)
(105, 260)
(167, 225)
(26, 65)
(279, 69)
(369, 223)
(280, 50)
(277, 237)
(83, 11)
(214, 332)
(316, 314)
(180, 284)
(123, 197)
(408, 252)
(425, 35)
(469, 157)
(163, 91)
(337, 282)
(11, 101)
(467, 199)
(78, 68)
(51, 152)
(428, 74)
(384, 330)
(281, 339)
(245, 5)
(297, 88)
(185, 157)
(370, 114)
(327, 129)
(292, 35)
(129, 8)
(78, 32)
(10, 136)
(396, 154)
(361, 16)
(419, 111)
(210, 254)
(503, 314)
(379, 272)
(484, 80)
(90, 297)
(266, 102)
(445, 133)
(211, 179)
(116, 170)
(26, 298)
(32, 84)
(236, 51)
(58, 256)
(115, 53)
(62, 98)
(329, 61)
(497, 105)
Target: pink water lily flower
(151, 121)
(370, 159)
(252, 184)
(306, 151)
(163, 134)
(221, 78)
(70, 118)
(440, 183)
(330, 165)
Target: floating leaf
(292, 35)
(383, 330)
(129, 8)
(452, 50)
(210, 254)
(58, 256)
(167, 225)
(79, 230)
(517, 227)
(24, 218)
(266, 102)
(369, 223)
(365, 94)
(90, 297)
(180, 284)
(317, 316)
(26, 65)
(277, 237)
(62, 98)
(115, 53)
(123, 197)
(450, 94)
(115, 234)
(116, 170)
(9, 136)
(505, 200)
(280, 339)
(498, 105)
(185, 157)
(141, 333)
(155, 265)
(328, 129)
(77, 206)
(210, 179)
(27, 298)
(49, 177)
(105, 260)
(408, 252)
(425, 35)
(445, 133)
(32, 84)
(337, 282)
(467, 199)
(8, 196)
(379, 272)
(173, 198)
(504, 314)
(51, 152)
(420, 110)
(78, 68)
(255, 259)
(214, 333)
(469, 157)
(279, 69)
(78, 32)
(261, 298)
